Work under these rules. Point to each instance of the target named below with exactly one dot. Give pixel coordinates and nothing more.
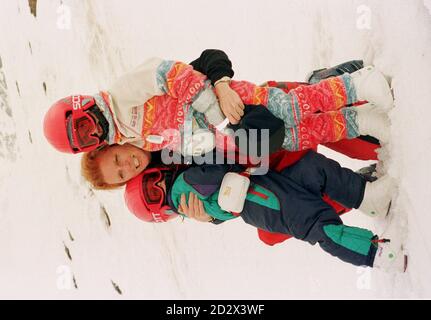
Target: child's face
(120, 163)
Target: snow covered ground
(58, 239)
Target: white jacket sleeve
(138, 86)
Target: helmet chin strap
(169, 180)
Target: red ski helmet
(145, 199)
(68, 126)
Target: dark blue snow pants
(318, 175)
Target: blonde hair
(90, 170)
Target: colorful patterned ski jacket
(154, 97)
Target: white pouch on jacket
(233, 192)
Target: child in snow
(143, 106)
(288, 202)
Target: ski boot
(378, 196)
(371, 85)
(373, 121)
(390, 256)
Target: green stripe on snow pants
(350, 244)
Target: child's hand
(230, 102)
(195, 210)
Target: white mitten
(233, 192)
(200, 142)
(207, 104)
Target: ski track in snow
(46, 207)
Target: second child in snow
(288, 202)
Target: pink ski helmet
(70, 128)
(145, 199)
